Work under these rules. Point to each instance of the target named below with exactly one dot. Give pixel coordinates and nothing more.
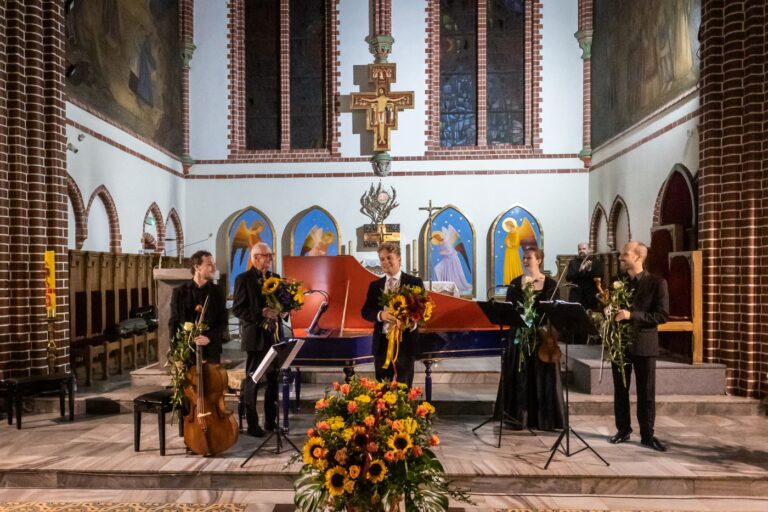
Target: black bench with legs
(16, 388)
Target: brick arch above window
(680, 183)
(173, 218)
(159, 242)
(598, 219)
(115, 238)
(81, 215)
(613, 218)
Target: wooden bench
(16, 388)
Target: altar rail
(104, 290)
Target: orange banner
(50, 283)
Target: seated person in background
(533, 395)
(582, 272)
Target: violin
(209, 428)
(602, 295)
(549, 348)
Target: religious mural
(452, 241)
(511, 232)
(644, 55)
(248, 228)
(124, 61)
(314, 233)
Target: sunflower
(314, 452)
(428, 307)
(397, 304)
(335, 478)
(270, 285)
(377, 471)
(400, 442)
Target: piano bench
(16, 388)
(156, 402)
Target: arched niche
(238, 233)
(113, 222)
(153, 231)
(510, 232)
(174, 233)
(450, 243)
(312, 232)
(598, 230)
(619, 230)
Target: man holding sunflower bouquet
(399, 367)
(259, 329)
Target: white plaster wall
(133, 183)
(98, 224)
(561, 74)
(209, 82)
(639, 174)
(553, 198)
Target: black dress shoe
(654, 443)
(256, 431)
(270, 427)
(619, 437)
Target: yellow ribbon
(394, 337)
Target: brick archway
(613, 220)
(159, 246)
(174, 219)
(81, 215)
(115, 238)
(598, 217)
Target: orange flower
(381, 404)
(344, 388)
(397, 425)
(434, 440)
(336, 386)
(311, 432)
(354, 471)
(417, 451)
(421, 411)
(321, 404)
(389, 456)
(414, 393)
(323, 425)
(369, 421)
(372, 447)
(341, 456)
(352, 407)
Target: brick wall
(33, 188)
(733, 210)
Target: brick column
(584, 37)
(33, 190)
(733, 213)
(186, 33)
(285, 75)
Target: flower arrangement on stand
(412, 307)
(370, 449)
(527, 336)
(282, 295)
(615, 336)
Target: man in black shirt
(582, 271)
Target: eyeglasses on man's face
(268, 255)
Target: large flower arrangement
(179, 355)
(526, 336)
(370, 448)
(412, 307)
(282, 295)
(616, 336)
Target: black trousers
(404, 365)
(250, 390)
(645, 384)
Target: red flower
(352, 407)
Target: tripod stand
(502, 314)
(568, 317)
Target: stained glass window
(307, 73)
(458, 73)
(506, 71)
(262, 74)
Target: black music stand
(503, 314)
(280, 355)
(571, 319)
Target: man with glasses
(258, 323)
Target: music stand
(503, 314)
(569, 318)
(281, 355)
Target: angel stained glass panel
(513, 231)
(452, 242)
(315, 233)
(249, 227)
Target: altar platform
(717, 458)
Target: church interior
(466, 132)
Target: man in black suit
(258, 325)
(373, 311)
(650, 307)
(188, 296)
(582, 271)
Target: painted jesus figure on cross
(382, 106)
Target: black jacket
(370, 312)
(247, 306)
(650, 307)
(185, 298)
(585, 292)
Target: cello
(209, 428)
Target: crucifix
(427, 238)
(381, 107)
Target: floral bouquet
(615, 335)
(369, 449)
(412, 307)
(282, 295)
(526, 336)
(179, 355)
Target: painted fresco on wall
(452, 240)
(315, 233)
(644, 55)
(248, 228)
(512, 231)
(124, 62)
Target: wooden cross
(381, 107)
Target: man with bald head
(650, 307)
(258, 324)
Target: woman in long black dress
(533, 395)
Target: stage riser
(513, 484)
